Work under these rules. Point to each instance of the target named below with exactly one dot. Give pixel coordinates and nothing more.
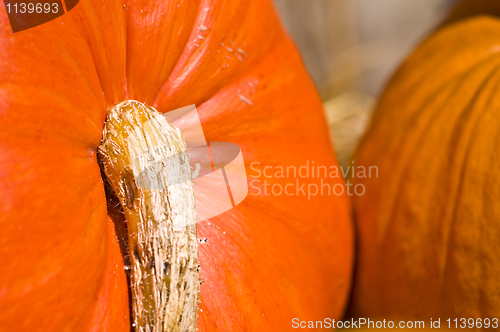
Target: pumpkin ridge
(460, 186)
(448, 84)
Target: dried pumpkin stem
(145, 160)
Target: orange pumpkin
(270, 259)
(428, 224)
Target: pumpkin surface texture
(268, 260)
(428, 225)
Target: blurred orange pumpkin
(270, 259)
(428, 225)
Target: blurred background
(351, 48)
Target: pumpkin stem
(146, 162)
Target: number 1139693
(472, 323)
(32, 8)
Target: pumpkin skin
(428, 225)
(270, 259)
